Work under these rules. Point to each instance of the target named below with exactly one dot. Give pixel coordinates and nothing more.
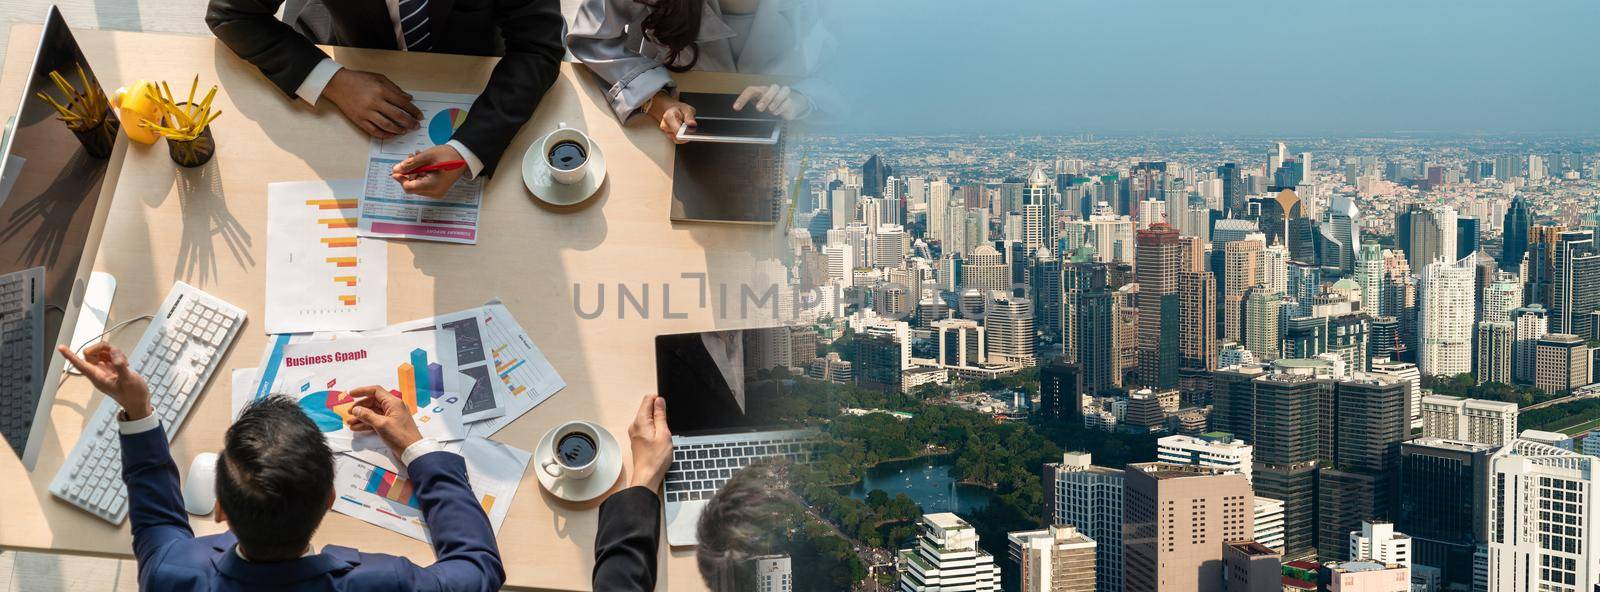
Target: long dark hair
(675, 24)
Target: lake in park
(926, 480)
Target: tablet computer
(732, 131)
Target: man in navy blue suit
(274, 484)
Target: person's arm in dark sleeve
(532, 31)
(466, 556)
(626, 543)
(155, 500)
(252, 30)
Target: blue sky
(1225, 67)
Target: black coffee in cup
(576, 450)
(567, 155)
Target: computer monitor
(52, 197)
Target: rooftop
(1254, 549)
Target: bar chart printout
(384, 498)
(321, 275)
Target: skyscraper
(1079, 493)
(874, 175)
(1444, 319)
(947, 557)
(1011, 338)
(1038, 212)
(1056, 559)
(1575, 291)
(1263, 329)
(1556, 547)
(1514, 241)
(1061, 391)
(1530, 323)
(1243, 262)
(1177, 519)
(1562, 363)
(1494, 345)
(1442, 496)
(1087, 313)
(1233, 190)
(1363, 422)
(1157, 258)
(1433, 236)
(1278, 414)
(1197, 320)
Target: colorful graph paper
(392, 487)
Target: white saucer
(536, 175)
(581, 490)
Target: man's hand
(651, 442)
(107, 369)
(378, 410)
(775, 99)
(671, 114)
(432, 183)
(373, 103)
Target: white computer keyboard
(21, 352)
(701, 464)
(177, 355)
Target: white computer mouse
(200, 489)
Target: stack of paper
(463, 375)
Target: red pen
(448, 165)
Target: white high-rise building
(1089, 497)
(946, 558)
(1216, 450)
(841, 263)
(842, 205)
(1433, 236)
(774, 574)
(1010, 325)
(1469, 420)
(938, 208)
(1377, 541)
(1444, 318)
(889, 246)
(1529, 323)
(1054, 559)
(1543, 519)
(1499, 299)
(1268, 524)
(1369, 275)
(1275, 267)
(1403, 371)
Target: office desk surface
(207, 227)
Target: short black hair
(274, 478)
(753, 515)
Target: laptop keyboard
(700, 468)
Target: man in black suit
(629, 534)
(528, 40)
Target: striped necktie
(414, 25)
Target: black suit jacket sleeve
(533, 32)
(252, 30)
(629, 536)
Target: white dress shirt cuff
(419, 448)
(137, 426)
(474, 166)
(311, 88)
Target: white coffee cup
(561, 466)
(555, 138)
